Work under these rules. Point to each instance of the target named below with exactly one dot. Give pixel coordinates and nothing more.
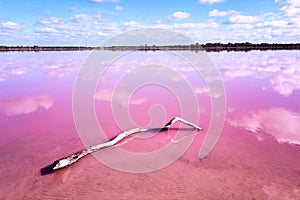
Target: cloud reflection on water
(3, 77)
(278, 122)
(279, 68)
(25, 105)
(55, 64)
(120, 97)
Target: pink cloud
(3, 77)
(201, 90)
(229, 74)
(25, 105)
(19, 70)
(60, 70)
(280, 69)
(278, 122)
(286, 84)
(120, 97)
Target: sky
(91, 22)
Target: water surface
(256, 157)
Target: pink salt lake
(256, 157)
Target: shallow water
(256, 157)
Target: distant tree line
(247, 46)
(210, 47)
(44, 48)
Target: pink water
(256, 157)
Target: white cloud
(296, 22)
(48, 30)
(217, 13)
(81, 29)
(119, 8)
(179, 16)
(100, 33)
(11, 25)
(133, 24)
(89, 29)
(278, 122)
(210, 1)
(240, 26)
(25, 105)
(187, 26)
(277, 24)
(292, 8)
(101, 1)
(111, 28)
(50, 21)
(243, 19)
(161, 26)
(81, 18)
(293, 2)
(268, 14)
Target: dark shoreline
(209, 47)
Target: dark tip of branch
(169, 123)
(48, 169)
(164, 129)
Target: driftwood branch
(69, 160)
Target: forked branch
(69, 160)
